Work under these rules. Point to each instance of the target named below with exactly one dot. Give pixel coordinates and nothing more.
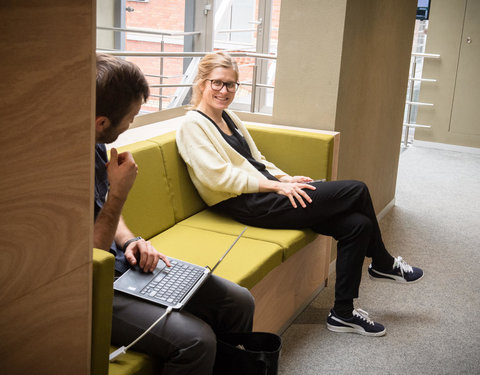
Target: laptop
(168, 286)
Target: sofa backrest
(148, 209)
(185, 199)
(163, 193)
(275, 143)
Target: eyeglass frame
(224, 84)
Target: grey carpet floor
(433, 326)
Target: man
(184, 342)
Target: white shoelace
(362, 314)
(404, 267)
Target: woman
(232, 175)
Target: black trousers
(341, 209)
(184, 342)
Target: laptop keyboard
(173, 283)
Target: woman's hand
(295, 179)
(293, 190)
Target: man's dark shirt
(101, 190)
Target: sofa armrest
(298, 151)
(102, 299)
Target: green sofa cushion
(148, 209)
(132, 363)
(288, 239)
(184, 196)
(247, 263)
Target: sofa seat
(289, 240)
(246, 264)
(132, 363)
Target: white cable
(123, 349)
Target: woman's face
(218, 99)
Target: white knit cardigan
(216, 169)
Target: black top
(101, 190)
(239, 144)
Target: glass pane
(236, 28)
(165, 16)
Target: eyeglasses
(217, 85)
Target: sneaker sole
(353, 330)
(396, 281)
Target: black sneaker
(360, 323)
(401, 272)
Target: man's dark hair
(120, 83)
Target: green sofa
(284, 269)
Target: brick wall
(157, 14)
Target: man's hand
(122, 171)
(146, 254)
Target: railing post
(160, 94)
(254, 87)
(409, 112)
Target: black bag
(253, 353)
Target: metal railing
(188, 78)
(161, 33)
(149, 31)
(409, 103)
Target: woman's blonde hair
(205, 67)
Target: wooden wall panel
(376, 52)
(46, 143)
(44, 332)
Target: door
(465, 117)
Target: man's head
(121, 90)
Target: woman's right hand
(293, 190)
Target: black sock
(343, 309)
(383, 265)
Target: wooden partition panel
(46, 148)
(376, 51)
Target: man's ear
(101, 124)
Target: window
(167, 26)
